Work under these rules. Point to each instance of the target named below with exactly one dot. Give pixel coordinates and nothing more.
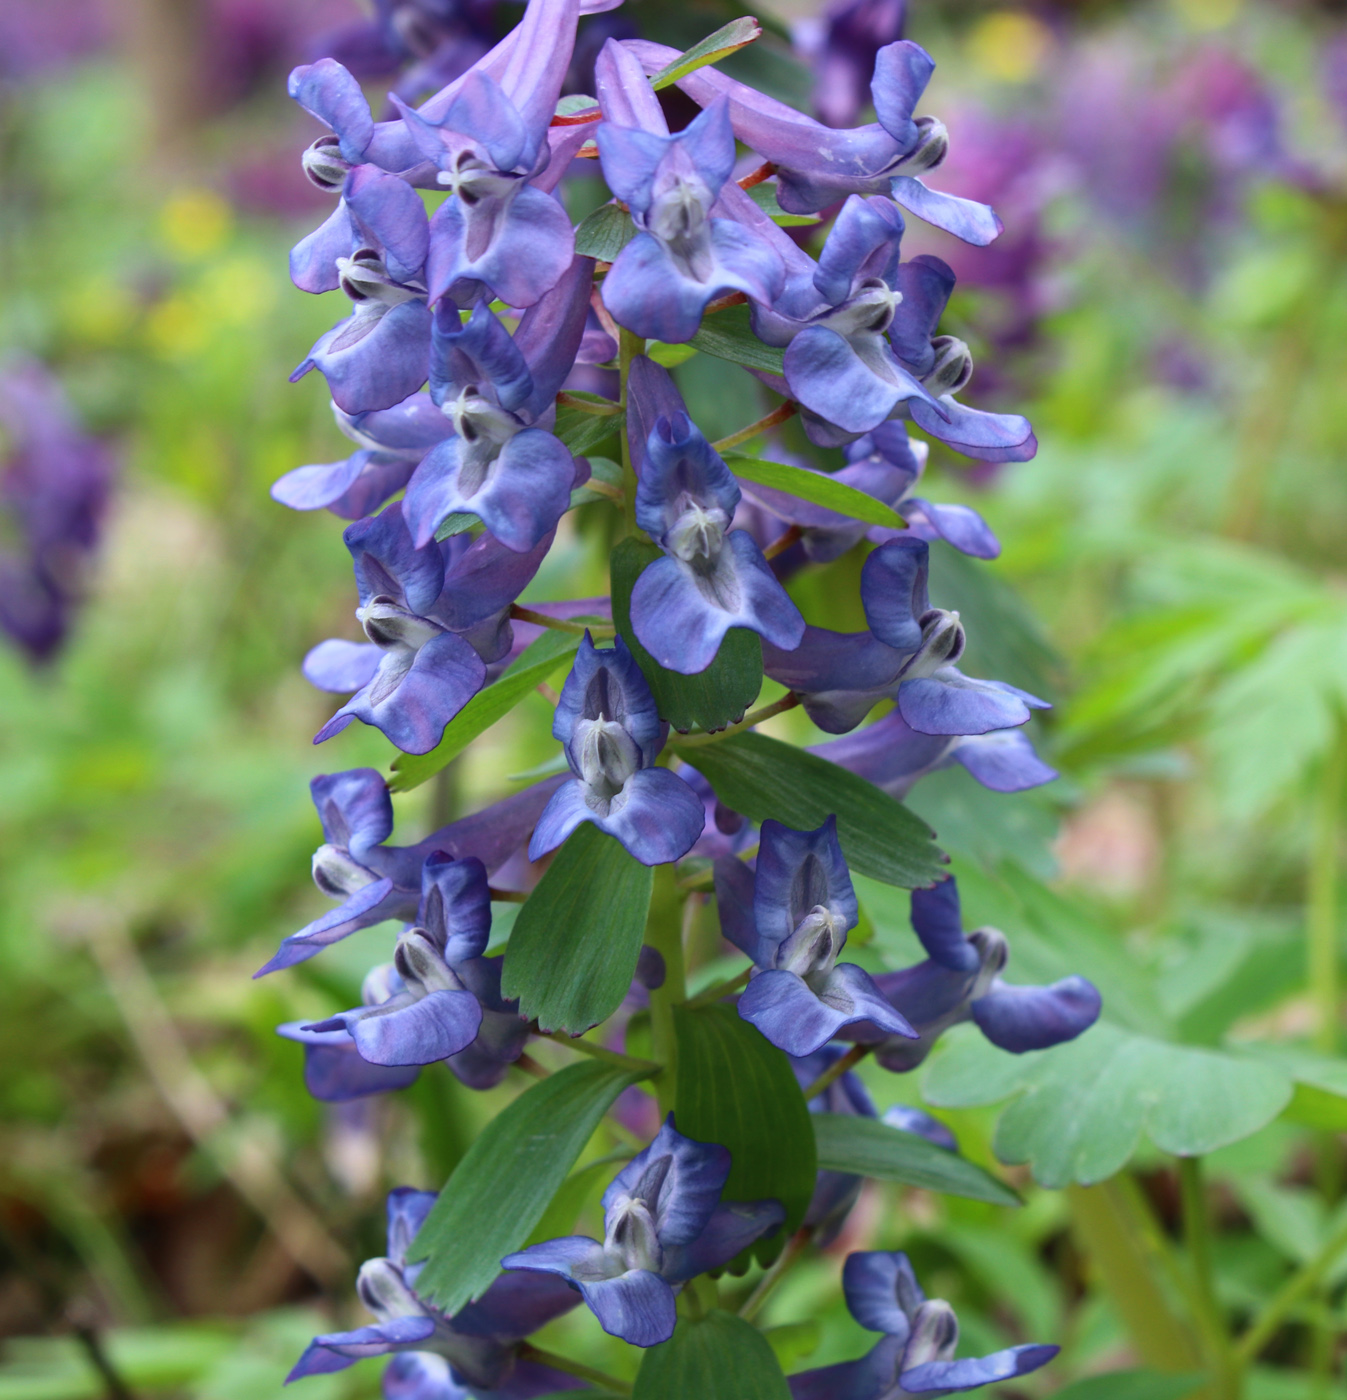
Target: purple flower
(893, 756)
(335, 1071)
(681, 258)
(961, 981)
(803, 903)
(844, 65)
(916, 1355)
(53, 490)
(391, 443)
(514, 476)
(438, 1357)
(664, 1223)
(818, 166)
(376, 882)
(711, 578)
(612, 735)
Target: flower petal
(338, 1350)
(990, 437)
(827, 375)
(354, 807)
(335, 1072)
(1019, 1019)
(952, 703)
(969, 1372)
(637, 1306)
(437, 1026)
(958, 525)
(938, 921)
(341, 667)
(881, 1290)
(690, 1189)
(1003, 760)
(965, 218)
(368, 906)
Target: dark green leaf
(560, 1216)
(1080, 1109)
(737, 1089)
(728, 336)
(459, 523)
(867, 1147)
(816, 487)
(605, 233)
(763, 777)
(583, 432)
(573, 951)
(728, 39)
(716, 1357)
(764, 196)
(538, 661)
(989, 827)
(501, 1188)
(1133, 1385)
(717, 696)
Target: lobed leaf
(716, 1357)
(539, 659)
(763, 777)
(507, 1178)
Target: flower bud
(953, 366)
(325, 165)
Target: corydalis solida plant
(451, 374)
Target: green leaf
(763, 777)
(602, 469)
(867, 1147)
(501, 1188)
(716, 1357)
(1133, 1385)
(764, 196)
(670, 356)
(816, 487)
(583, 432)
(538, 661)
(736, 1088)
(1079, 1109)
(605, 233)
(728, 39)
(712, 699)
(573, 951)
(560, 1216)
(728, 335)
(988, 827)
(459, 523)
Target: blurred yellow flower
(176, 327)
(195, 222)
(1010, 45)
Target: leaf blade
(816, 487)
(716, 1357)
(728, 335)
(728, 39)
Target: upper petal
(1019, 1019)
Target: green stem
(1321, 928)
(778, 415)
(720, 989)
(648, 1068)
(529, 1352)
(664, 933)
(599, 410)
(1206, 1308)
(836, 1070)
(787, 702)
(628, 347)
(1298, 1286)
(794, 1248)
(561, 624)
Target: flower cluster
(458, 377)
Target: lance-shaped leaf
(728, 335)
(574, 946)
(711, 699)
(867, 1147)
(1079, 1109)
(507, 1178)
(539, 659)
(736, 1089)
(763, 777)
(816, 487)
(605, 233)
(728, 39)
(716, 1357)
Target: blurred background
(1168, 304)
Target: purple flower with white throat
(960, 980)
(916, 1354)
(803, 903)
(664, 1223)
(612, 733)
(681, 257)
(437, 1357)
(494, 388)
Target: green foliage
(867, 1147)
(574, 946)
(815, 487)
(715, 697)
(716, 1357)
(737, 1089)
(604, 233)
(728, 39)
(763, 777)
(728, 336)
(508, 1177)
(1133, 1385)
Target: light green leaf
(1079, 1109)
(560, 1216)
(605, 233)
(573, 950)
(710, 700)
(670, 356)
(460, 522)
(583, 432)
(1133, 1385)
(816, 487)
(763, 777)
(728, 39)
(764, 196)
(867, 1147)
(736, 1088)
(499, 1191)
(728, 335)
(540, 659)
(716, 1357)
